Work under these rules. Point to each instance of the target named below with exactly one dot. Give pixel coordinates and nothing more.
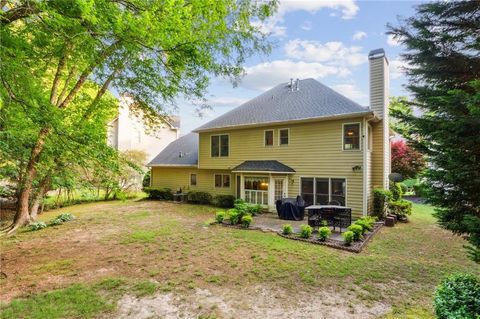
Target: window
(284, 136)
(222, 180)
(351, 136)
(256, 190)
(321, 191)
(193, 179)
(269, 138)
(219, 145)
(307, 191)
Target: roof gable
(282, 104)
(181, 152)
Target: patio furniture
(180, 197)
(331, 215)
(291, 208)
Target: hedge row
(193, 197)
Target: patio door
(279, 189)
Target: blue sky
(328, 40)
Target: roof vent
(297, 85)
(181, 154)
(291, 84)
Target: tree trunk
(22, 216)
(42, 190)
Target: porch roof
(268, 166)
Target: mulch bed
(355, 247)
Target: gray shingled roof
(263, 166)
(280, 104)
(181, 152)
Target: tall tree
(443, 53)
(152, 50)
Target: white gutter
(263, 172)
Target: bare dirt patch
(254, 302)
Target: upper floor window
(351, 136)
(269, 138)
(219, 144)
(283, 133)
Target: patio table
(335, 216)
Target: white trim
(365, 141)
(273, 138)
(262, 172)
(289, 122)
(359, 137)
(173, 165)
(219, 145)
(329, 186)
(283, 129)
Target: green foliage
(357, 231)
(401, 208)
(396, 190)
(224, 201)
(458, 297)
(246, 220)
(158, 193)
(246, 208)
(305, 231)
(348, 237)
(199, 197)
(145, 288)
(403, 187)
(220, 216)
(442, 50)
(233, 215)
(76, 301)
(146, 179)
(381, 197)
(420, 190)
(287, 229)
(37, 226)
(254, 209)
(323, 233)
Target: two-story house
(298, 138)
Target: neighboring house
(299, 138)
(129, 132)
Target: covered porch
(262, 182)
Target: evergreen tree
(443, 58)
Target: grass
(76, 301)
(145, 247)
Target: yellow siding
(314, 150)
(176, 178)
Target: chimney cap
(377, 53)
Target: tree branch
(56, 80)
(17, 13)
(65, 86)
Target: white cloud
(307, 25)
(352, 92)
(393, 41)
(274, 26)
(332, 53)
(397, 68)
(266, 75)
(359, 35)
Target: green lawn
(145, 248)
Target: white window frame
(222, 174)
(279, 134)
(273, 138)
(359, 137)
(329, 178)
(219, 145)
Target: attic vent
(181, 154)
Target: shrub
(305, 231)
(458, 296)
(348, 237)
(403, 187)
(246, 220)
(254, 209)
(396, 190)
(366, 222)
(233, 216)
(287, 229)
(158, 193)
(401, 208)
(420, 190)
(195, 197)
(37, 226)
(224, 201)
(220, 216)
(381, 197)
(357, 231)
(65, 217)
(323, 233)
(365, 225)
